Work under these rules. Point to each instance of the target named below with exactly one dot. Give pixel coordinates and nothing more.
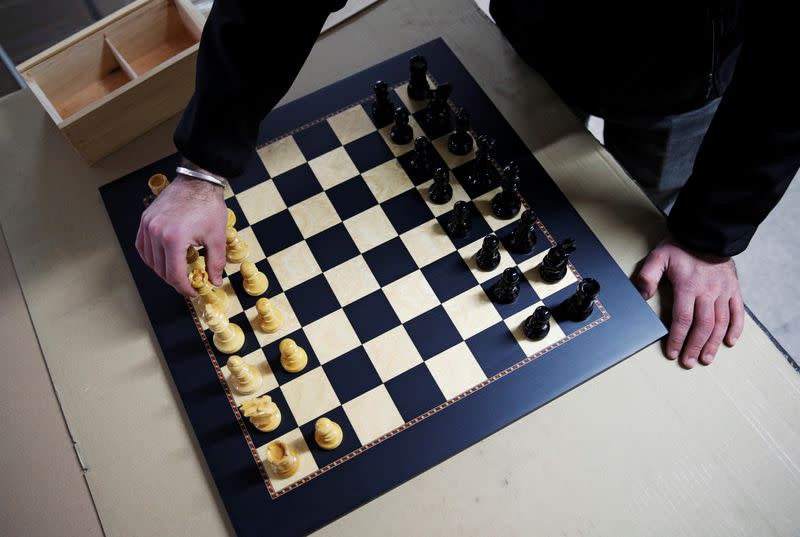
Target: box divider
(123, 63)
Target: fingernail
(707, 358)
(733, 341)
(690, 362)
(644, 295)
(672, 355)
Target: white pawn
(327, 433)
(281, 459)
(208, 293)
(248, 377)
(270, 318)
(228, 337)
(255, 282)
(293, 357)
(264, 414)
(236, 249)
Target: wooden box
(122, 76)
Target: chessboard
(408, 350)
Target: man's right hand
(189, 212)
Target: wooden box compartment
(121, 76)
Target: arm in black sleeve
(250, 53)
(752, 148)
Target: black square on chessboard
(504, 234)
(430, 130)
(369, 151)
(241, 219)
(495, 349)
(312, 299)
(416, 177)
(414, 392)
(566, 325)
(277, 232)
(479, 226)
(248, 301)
(254, 174)
(527, 296)
(407, 210)
(298, 184)
(371, 316)
(273, 354)
(316, 140)
(352, 374)
(287, 424)
(461, 174)
(324, 457)
(332, 247)
(390, 261)
(351, 197)
(432, 332)
(449, 276)
(250, 341)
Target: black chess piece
(437, 113)
(488, 257)
(440, 191)
(580, 304)
(554, 264)
(537, 326)
(506, 204)
(460, 141)
(460, 221)
(523, 238)
(506, 290)
(418, 79)
(401, 132)
(382, 108)
(482, 168)
(421, 160)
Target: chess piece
(228, 337)
(293, 357)
(482, 173)
(270, 318)
(231, 219)
(506, 204)
(440, 191)
(418, 86)
(554, 264)
(236, 249)
(247, 376)
(421, 160)
(382, 109)
(401, 132)
(460, 221)
(282, 460)
(194, 260)
(264, 414)
(488, 257)
(460, 141)
(437, 113)
(157, 183)
(537, 326)
(254, 281)
(579, 305)
(522, 237)
(327, 433)
(207, 293)
(506, 290)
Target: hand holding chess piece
(207, 293)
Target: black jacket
(609, 58)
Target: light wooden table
(644, 449)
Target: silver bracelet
(202, 176)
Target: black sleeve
(752, 148)
(250, 53)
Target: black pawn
(554, 264)
(481, 173)
(421, 160)
(460, 142)
(523, 237)
(382, 108)
(579, 305)
(460, 221)
(537, 326)
(506, 204)
(506, 290)
(437, 113)
(440, 191)
(401, 132)
(488, 257)
(418, 79)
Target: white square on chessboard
(290, 322)
(227, 192)
(397, 149)
(373, 414)
(310, 395)
(530, 269)
(294, 439)
(452, 161)
(484, 206)
(281, 156)
(413, 106)
(455, 370)
(468, 254)
(314, 215)
(472, 312)
(351, 124)
(370, 228)
(234, 307)
(331, 336)
(427, 242)
(351, 280)
(261, 201)
(294, 265)
(438, 209)
(387, 180)
(254, 251)
(268, 382)
(410, 296)
(392, 353)
(530, 347)
(333, 168)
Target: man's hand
(708, 302)
(188, 212)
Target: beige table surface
(644, 449)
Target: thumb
(646, 280)
(215, 255)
